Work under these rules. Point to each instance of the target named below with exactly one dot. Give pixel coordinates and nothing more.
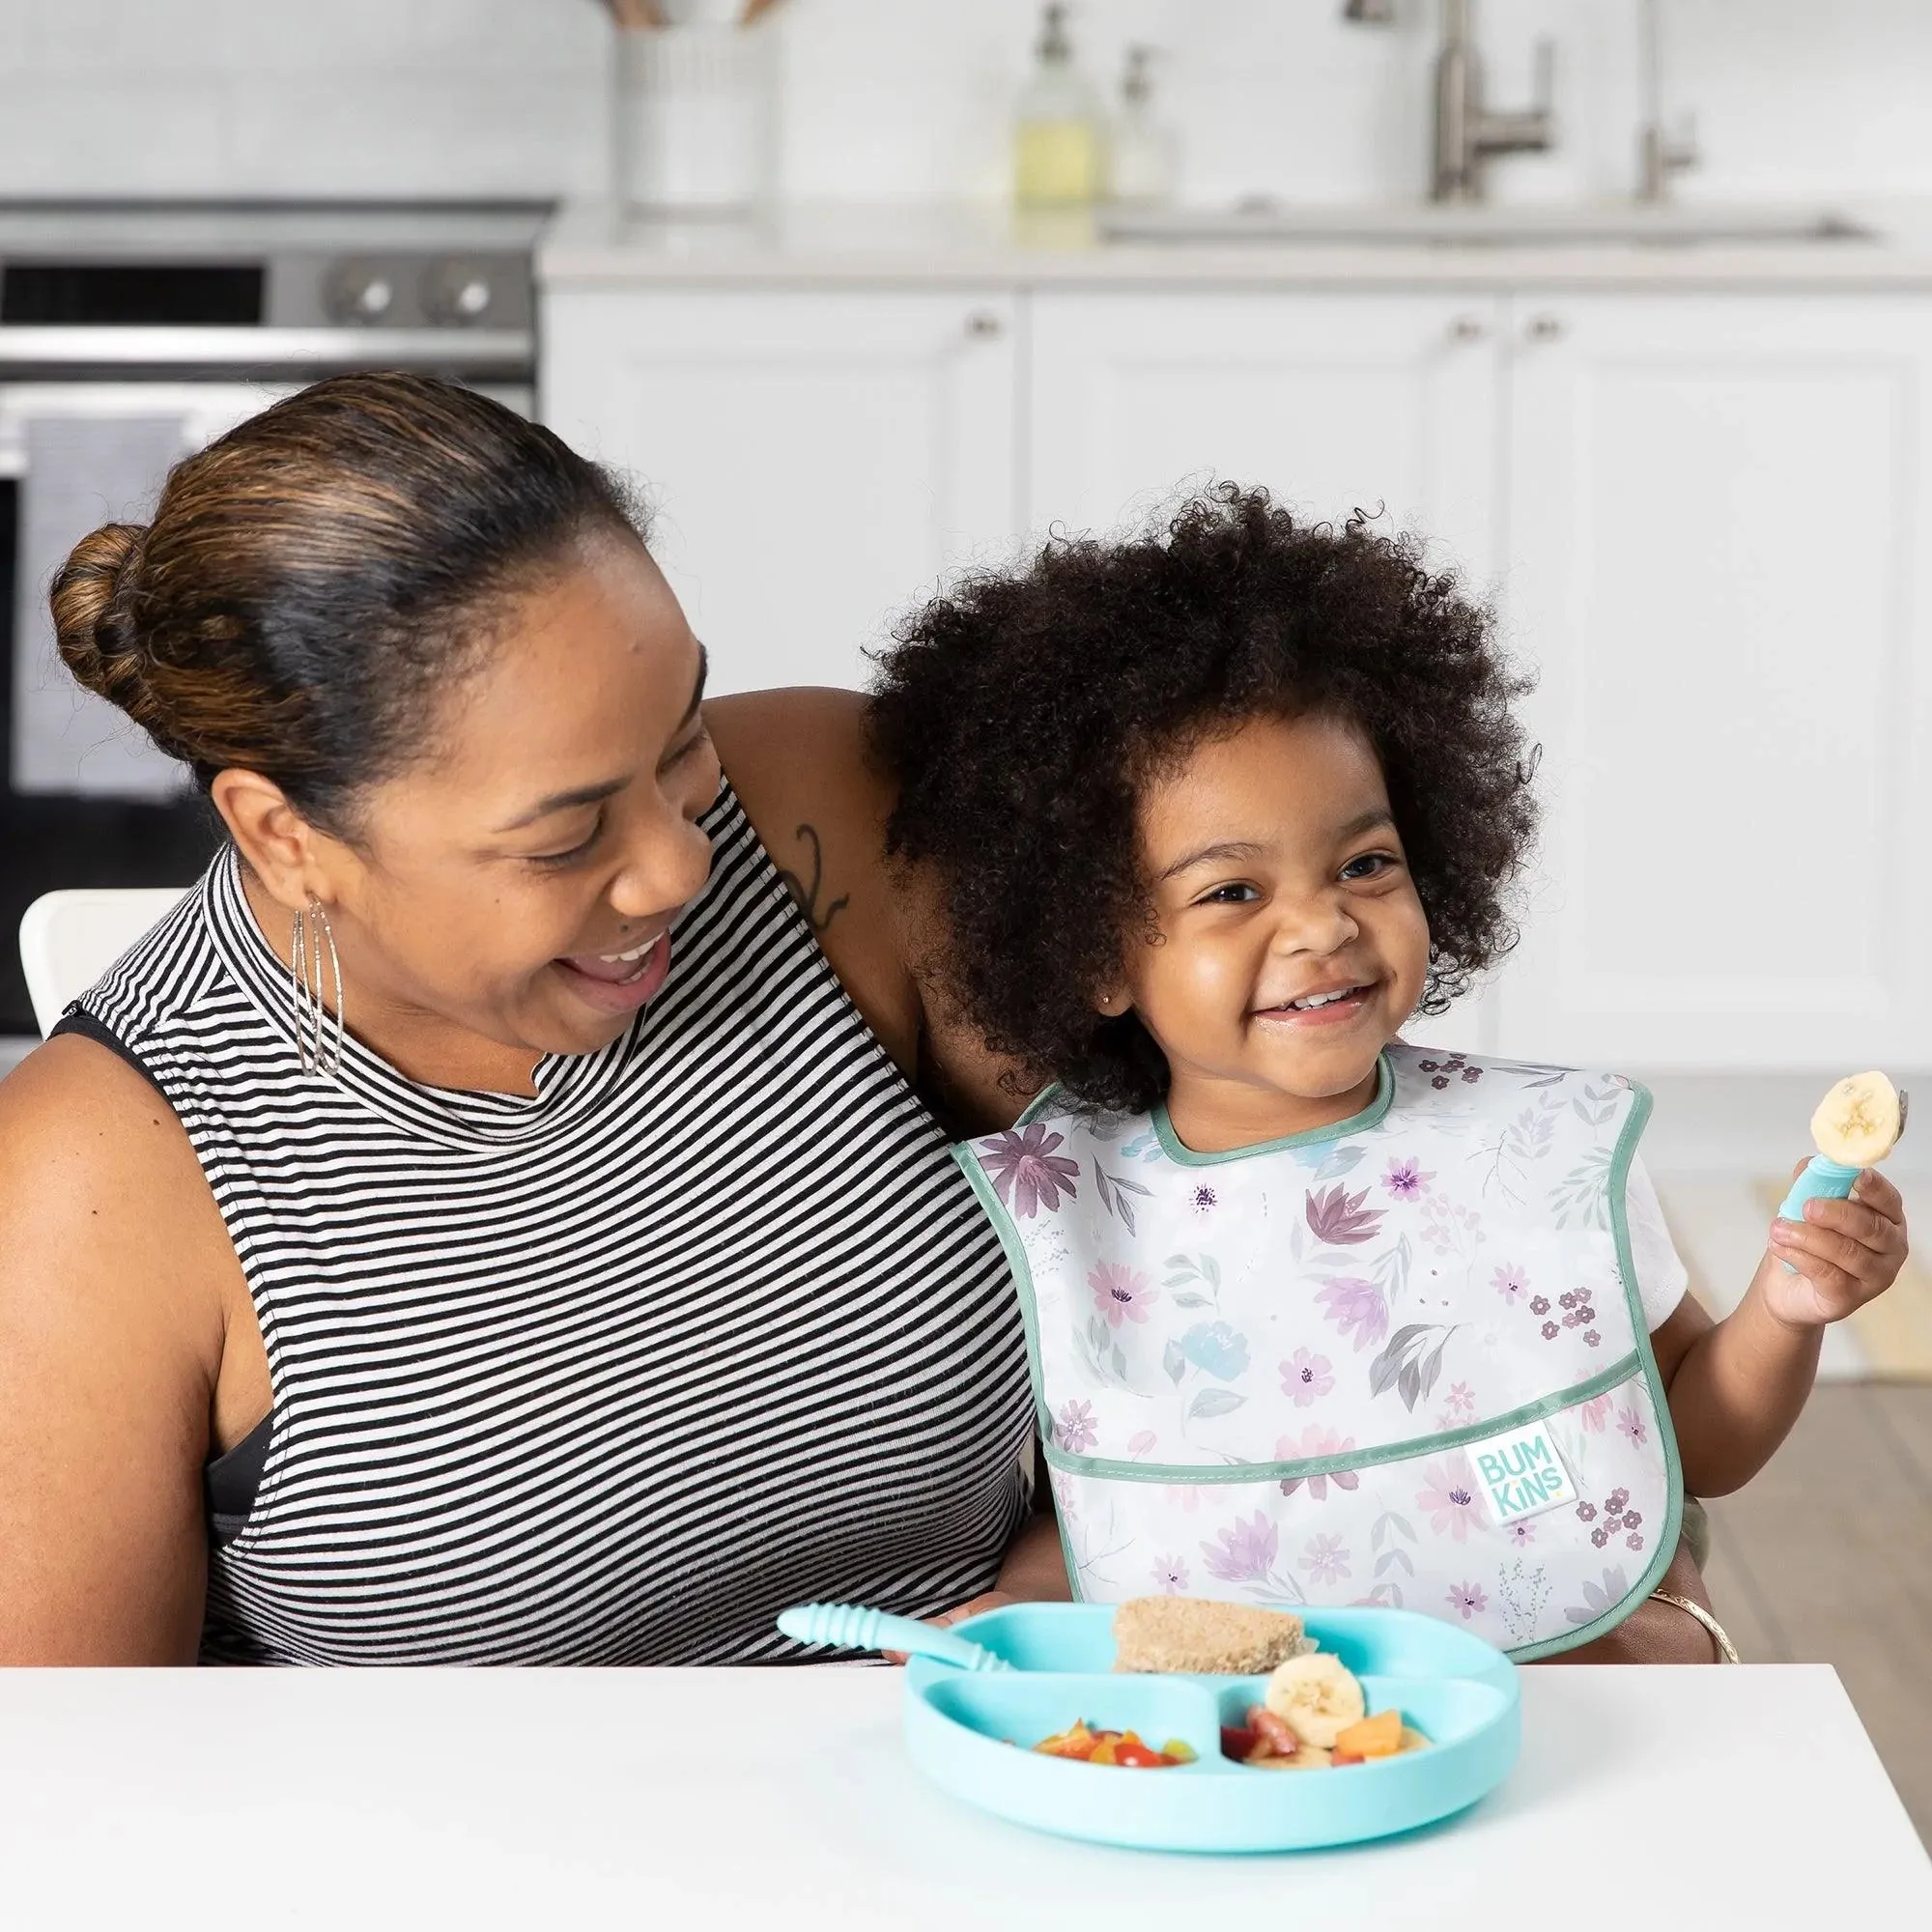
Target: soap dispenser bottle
(1057, 157)
(1141, 156)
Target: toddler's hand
(1846, 1253)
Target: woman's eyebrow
(697, 688)
(596, 795)
(566, 801)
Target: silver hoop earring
(318, 1051)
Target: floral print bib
(1400, 1360)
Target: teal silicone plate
(961, 1729)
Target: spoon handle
(852, 1626)
(1821, 1179)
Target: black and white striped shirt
(609, 1375)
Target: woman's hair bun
(94, 626)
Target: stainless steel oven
(129, 336)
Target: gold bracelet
(1704, 1617)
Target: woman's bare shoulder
(94, 1170)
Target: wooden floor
(1826, 1558)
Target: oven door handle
(34, 352)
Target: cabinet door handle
(1467, 329)
(982, 325)
(1545, 328)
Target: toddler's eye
(1231, 894)
(1369, 866)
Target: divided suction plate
(970, 1734)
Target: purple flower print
(1449, 1495)
(1315, 1441)
(1170, 1576)
(1247, 1551)
(1470, 1075)
(1593, 1413)
(1566, 1301)
(1121, 1294)
(1600, 1536)
(1597, 1602)
(1140, 1442)
(1073, 1427)
(1521, 1534)
(1632, 1521)
(1202, 1200)
(1616, 1500)
(1325, 1560)
(1466, 1599)
(1027, 1173)
(1306, 1378)
(1632, 1542)
(1550, 1331)
(1586, 1512)
(1591, 1338)
(1355, 1306)
(1510, 1283)
(1406, 1179)
(1440, 1081)
(1633, 1428)
(1539, 1307)
(1339, 1218)
(1462, 1402)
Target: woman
(494, 1218)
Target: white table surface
(781, 1799)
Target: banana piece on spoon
(1860, 1121)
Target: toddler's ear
(1113, 1002)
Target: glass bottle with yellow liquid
(1058, 159)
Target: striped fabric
(711, 1325)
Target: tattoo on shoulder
(808, 896)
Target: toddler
(1315, 1317)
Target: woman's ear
(282, 849)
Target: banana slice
(1316, 1698)
(1859, 1120)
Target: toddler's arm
(1736, 1385)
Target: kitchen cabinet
(1719, 559)
(1336, 402)
(818, 459)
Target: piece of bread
(1193, 1636)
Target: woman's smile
(618, 983)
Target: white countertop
(593, 244)
(782, 1800)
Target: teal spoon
(853, 1628)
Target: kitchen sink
(1483, 227)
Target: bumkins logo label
(1522, 1474)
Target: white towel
(81, 472)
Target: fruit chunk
(1412, 1740)
(1310, 1757)
(1379, 1735)
(1316, 1697)
(1859, 1120)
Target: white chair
(68, 940)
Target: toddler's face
(1278, 879)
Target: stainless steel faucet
(1660, 154)
(1468, 132)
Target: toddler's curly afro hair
(1020, 714)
